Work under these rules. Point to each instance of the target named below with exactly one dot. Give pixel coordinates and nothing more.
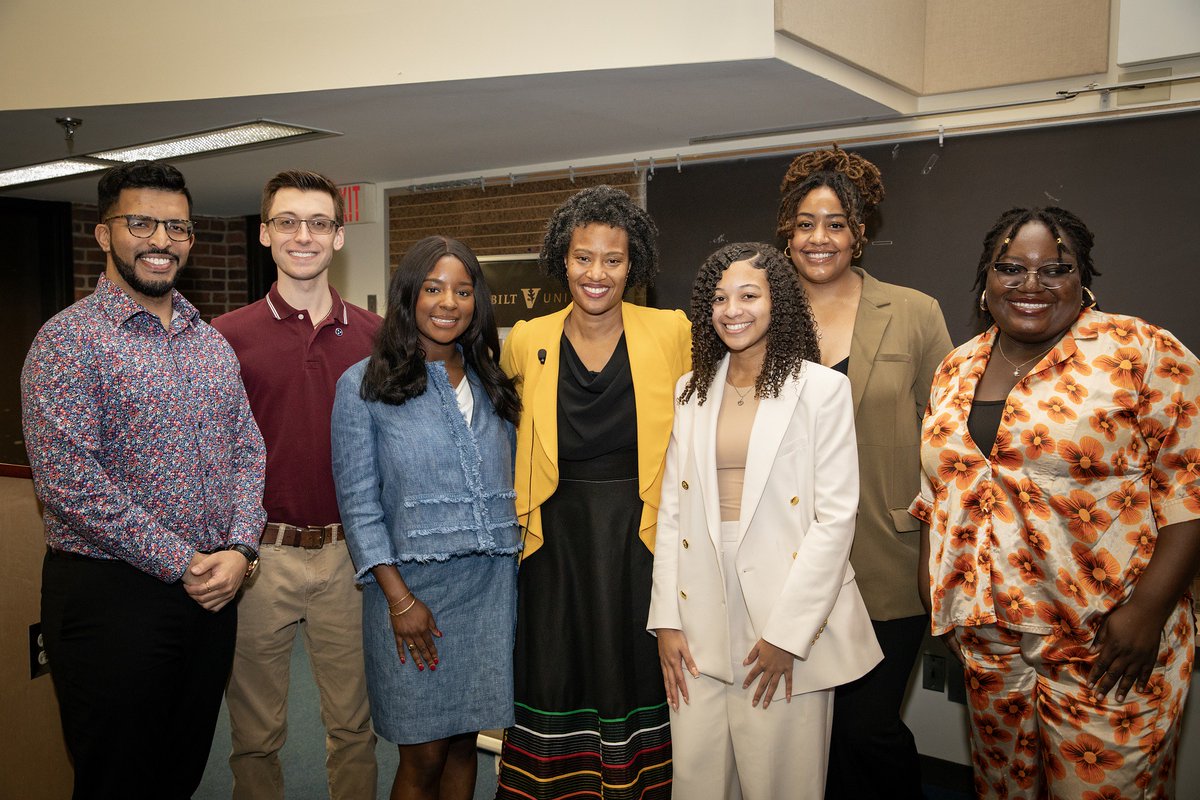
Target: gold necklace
(1017, 367)
(741, 397)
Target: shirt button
(300, 316)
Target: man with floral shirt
(150, 468)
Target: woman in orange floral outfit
(1061, 502)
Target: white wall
(78, 52)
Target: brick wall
(214, 279)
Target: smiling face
(823, 240)
(444, 308)
(145, 269)
(741, 309)
(1030, 313)
(597, 268)
(302, 255)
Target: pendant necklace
(1017, 367)
(741, 396)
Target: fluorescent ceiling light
(242, 136)
(51, 170)
(245, 135)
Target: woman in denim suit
(423, 444)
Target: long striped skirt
(591, 713)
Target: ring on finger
(412, 647)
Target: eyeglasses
(178, 230)
(1050, 276)
(317, 226)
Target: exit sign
(360, 202)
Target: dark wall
(1136, 183)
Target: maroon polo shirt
(290, 370)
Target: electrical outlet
(933, 672)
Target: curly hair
(396, 369)
(791, 337)
(855, 180)
(607, 206)
(1073, 236)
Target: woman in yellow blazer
(753, 593)
(888, 340)
(596, 382)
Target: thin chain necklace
(741, 396)
(1017, 367)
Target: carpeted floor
(304, 754)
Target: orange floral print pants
(1037, 731)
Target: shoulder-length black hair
(396, 371)
(791, 337)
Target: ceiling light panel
(49, 171)
(246, 135)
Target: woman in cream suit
(754, 598)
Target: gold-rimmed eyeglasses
(1050, 276)
(178, 230)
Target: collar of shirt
(119, 307)
(281, 310)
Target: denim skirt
(473, 602)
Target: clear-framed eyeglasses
(1050, 276)
(178, 230)
(317, 226)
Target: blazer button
(685, 544)
(794, 500)
(793, 556)
(683, 594)
(684, 484)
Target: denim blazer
(414, 482)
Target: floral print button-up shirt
(1098, 447)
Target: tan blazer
(797, 522)
(900, 338)
(660, 350)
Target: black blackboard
(1135, 182)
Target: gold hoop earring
(1091, 298)
(858, 250)
(787, 251)
(983, 301)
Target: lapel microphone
(542, 356)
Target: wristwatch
(251, 557)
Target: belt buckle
(312, 537)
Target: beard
(157, 288)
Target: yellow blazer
(899, 340)
(660, 350)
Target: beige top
(734, 421)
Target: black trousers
(872, 753)
(139, 669)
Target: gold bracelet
(406, 609)
(398, 602)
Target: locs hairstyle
(855, 180)
(607, 206)
(139, 175)
(791, 336)
(305, 181)
(396, 370)
(1074, 238)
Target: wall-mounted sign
(360, 202)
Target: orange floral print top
(1098, 447)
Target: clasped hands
(767, 663)
(213, 579)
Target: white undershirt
(466, 400)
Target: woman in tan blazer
(596, 383)
(888, 340)
(753, 595)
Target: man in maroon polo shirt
(293, 345)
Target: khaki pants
(312, 589)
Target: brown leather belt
(310, 537)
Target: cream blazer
(797, 524)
